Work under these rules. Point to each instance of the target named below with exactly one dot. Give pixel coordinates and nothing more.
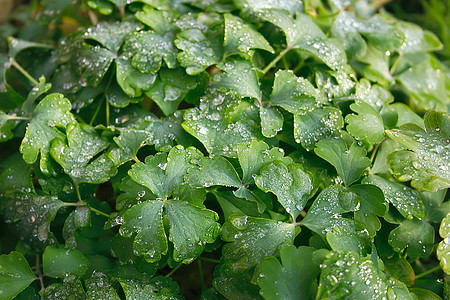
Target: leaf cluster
(292, 150)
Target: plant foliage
(289, 149)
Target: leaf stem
(18, 118)
(99, 212)
(202, 277)
(173, 271)
(16, 65)
(395, 64)
(372, 157)
(38, 271)
(107, 113)
(276, 59)
(77, 189)
(432, 270)
(96, 111)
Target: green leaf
(406, 200)
(290, 184)
(170, 88)
(254, 155)
(77, 155)
(235, 286)
(196, 53)
(367, 125)
(253, 239)
(131, 140)
(374, 95)
(271, 121)
(372, 205)
(163, 173)
(378, 30)
(71, 288)
(262, 6)
(240, 37)
(31, 215)
(426, 82)
(326, 212)
(303, 34)
(15, 175)
(220, 133)
(57, 262)
(15, 46)
(417, 236)
(92, 63)
(417, 39)
(78, 218)
(346, 239)
(436, 208)
(399, 267)
(52, 111)
(215, 170)
(375, 66)
(426, 162)
(350, 163)
(6, 127)
(41, 88)
(443, 250)
(159, 20)
(15, 274)
(295, 94)
(346, 275)
(293, 278)
(117, 97)
(147, 220)
(239, 75)
(99, 287)
(398, 114)
(150, 49)
(231, 204)
(130, 79)
(191, 227)
(157, 288)
(111, 35)
(321, 123)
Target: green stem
(16, 65)
(18, 118)
(211, 260)
(77, 189)
(96, 111)
(99, 212)
(395, 64)
(173, 271)
(107, 113)
(428, 272)
(273, 62)
(202, 278)
(38, 271)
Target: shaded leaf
(130, 79)
(111, 35)
(92, 63)
(293, 278)
(71, 288)
(15, 274)
(350, 163)
(170, 88)
(157, 288)
(253, 239)
(99, 287)
(417, 236)
(31, 215)
(271, 121)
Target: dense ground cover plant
(246, 149)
